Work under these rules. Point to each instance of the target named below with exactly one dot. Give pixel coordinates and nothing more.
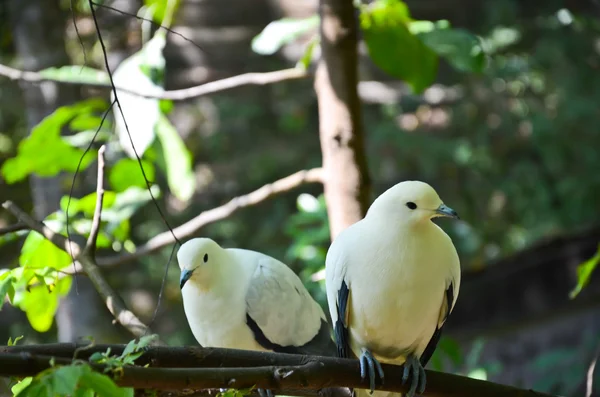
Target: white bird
(241, 299)
(392, 280)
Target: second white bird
(392, 280)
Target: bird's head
(198, 259)
(413, 202)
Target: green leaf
(393, 48)
(279, 33)
(14, 342)
(37, 253)
(87, 204)
(102, 385)
(18, 388)
(176, 160)
(40, 304)
(306, 59)
(126, 173)
(77, 74)
(65, 379)
(160, 8)
(584, 273)
(458, 46)
(7, 288)
(127, 202)
(44, 152)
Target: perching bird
(241, 299)
(392, 280)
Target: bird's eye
(411, 205)
(205, 258)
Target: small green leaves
(281, 32)
(394, 48)
(409, 50)
(13, 342)
(40, 303)
(44, 152)
(459, 47)
(126, 173)
(175, 160)
(584, 273)
(70, 380)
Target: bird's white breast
(397, 286)
(218, 318)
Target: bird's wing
(448, 302)
(282, 314)
(338, 294)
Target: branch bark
(347, 181)
(193, 225)
(220, 368)
(174, 95)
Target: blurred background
(515, 150)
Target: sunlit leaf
(40, 304)
(281, 32)
(393, 48)
(160, 7)
(18, 388)
(38, 252)
(45, 152)
(584, 273)
(126, 173)
(176, 160)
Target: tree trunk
(38, 30)
(347, 183)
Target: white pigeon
(241, 299)
(392, 280)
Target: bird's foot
(416, 372)
(265, 392)
(368, 365)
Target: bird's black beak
(444, 210)
(185, 276)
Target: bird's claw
(265, 392)
(370, 363)
(413, 367)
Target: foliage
(45, 152)
(584, 273)
(78, 379)
(38, 283)
(281, 32)
(133, 350)
(402, 47)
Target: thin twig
(113, 301)
(97, 219)
(193, 225)
(589, 384)
(17, 227)
(174, 95)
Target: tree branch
(17, 227)
(192, 226)
(90, 247)
(113, 301)
(171, 369)
(174, 95)
(340, 123)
